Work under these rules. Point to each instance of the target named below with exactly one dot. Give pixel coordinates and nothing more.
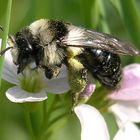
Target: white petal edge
(133, 67)
(128, 132)
(18, 95)
(10, 70)
(93, 126)
(126, 111)
(57, 86)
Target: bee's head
(22, 43)
(22, 52)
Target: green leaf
(104, 23)
(129, 13)
(5, 34)
(95, 13)
(86, 11)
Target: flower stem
(5, 34)
(29, 124)
(46, 119)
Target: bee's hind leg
(77, 79)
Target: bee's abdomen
(103, 65)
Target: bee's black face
(25, 51)
(22, 42)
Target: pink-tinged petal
(126, 94)
(88, 90)
(10, 70)
(18, 95)
(130, 84)
(87, 93)
(126, 111)
(93, 126)
(57, 86)
(131, 76)
(128, 131)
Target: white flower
(93, 126)
(32, 85)
(126, 110)
(127, 104)
(127, 129)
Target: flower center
(31, 80)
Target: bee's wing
(80, 37)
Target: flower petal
(92, 123)
(10, 70)
(131, 76)
(89, 89)
(87, 93)
(57, 85)
(132, 94)
(126, 111)
(128, 132)
(18, 95)
(130, 85)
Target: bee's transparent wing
(80, 37)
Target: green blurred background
(120, 18)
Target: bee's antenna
(3, 51)
(11, 38)
(1, 28)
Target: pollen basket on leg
(76, 80)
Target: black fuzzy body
(48, 50)
(50, 44)
(103, 65)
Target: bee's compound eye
(21, 42)
(20, 39)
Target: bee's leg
(77, 78)
(52, 72)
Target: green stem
(129, 12)
(29, 124)
(104, 23)
(5, 34)
(95, 13)
(56, 119)
(44, 111)
(133, 19)
(86, 12)
(51, 127)
(46, 116)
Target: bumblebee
(52, 43)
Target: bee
(53, 43)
